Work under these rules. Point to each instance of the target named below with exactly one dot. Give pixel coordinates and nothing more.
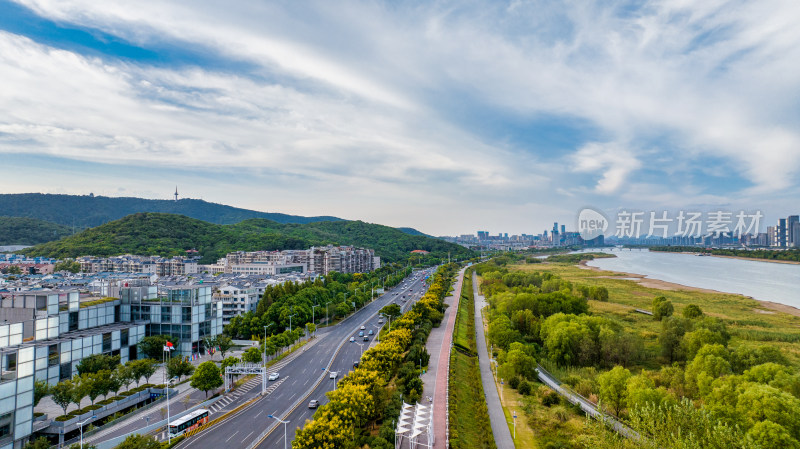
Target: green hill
(168, 234)
(86, 211)
(29, 231)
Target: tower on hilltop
(176, 193)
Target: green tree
(613, 388)
(153, 346)
(97, 362)
(391, 311)
(223, 343)
(137, 441)
(40, 389)
(710, 363)
(179, 367)
(764, 403)
(229, 361)
(662, 308)
(692, 311)
(672, 331)
(206, 377)
(92, 385)
(12, 269)
(767, 434)
(252, 355)
(62, 393)
(68, 265)
(143, 368)
(39, 443)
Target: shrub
(514, 382)
(550, 399)
(524, 387)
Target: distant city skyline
(442, 117)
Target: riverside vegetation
(706, 370)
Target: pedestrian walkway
(502, 435)
(435, 379)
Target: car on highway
(313, 403)
(352, 339)
(380, 321)
(366, 338)
(274, 376)
(371, 332)
(363, 327)
(360, 333)
(355, 364)
(334, 374)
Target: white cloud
(382, 89)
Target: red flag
(169, 344)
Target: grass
(469, 418)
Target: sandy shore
(644, 281)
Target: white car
(352, 339)
(274, 376)
(363, 327)
(334, 374)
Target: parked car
(274, 376)
(313, 403)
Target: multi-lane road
(304, 378)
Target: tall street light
(290, 321)
(84, 422)
(312, 313)
(265, 342)
(285, 443)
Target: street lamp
(265, 342)
(285, 443)
(84, 422)
(515, 424)
(313, 308)
(167, 385)
(290, 321)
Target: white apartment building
(237, 300)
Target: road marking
(229, 438)
(248, 436)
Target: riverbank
(647, 282)
(790, 262)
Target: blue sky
(445, 116)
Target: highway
(302, 379)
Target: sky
(446, 116)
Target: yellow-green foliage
(361, 395)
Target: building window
(65, 372)
(123, 337)
(5, 424)
(186, 315)
(116, 314)
(107, 342)
(73, 321)
(166, 314)
(53, 356)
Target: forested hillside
(168, 234)
(86, 211)
(29, 231)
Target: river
(765, 281)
